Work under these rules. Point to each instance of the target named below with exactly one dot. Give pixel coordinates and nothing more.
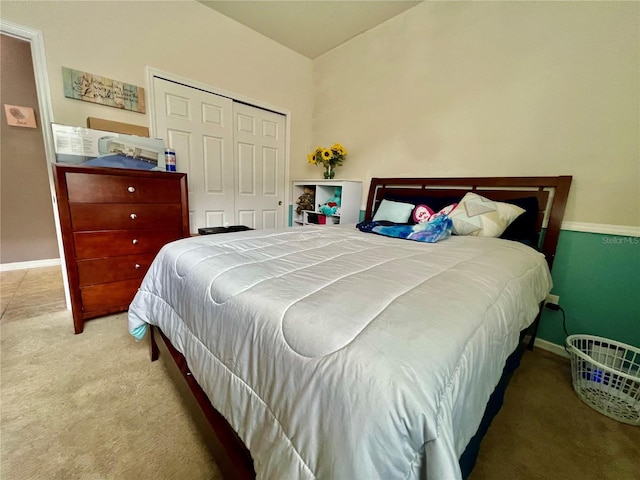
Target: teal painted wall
(597, 277)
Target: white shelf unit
(325, 189)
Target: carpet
(544, 431)
(91, 406)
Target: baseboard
(603, 229)
(551, 347)
(51, 262)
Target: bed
(326, 352)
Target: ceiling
(310, 27)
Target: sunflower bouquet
(329, 158)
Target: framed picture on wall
(18, 116)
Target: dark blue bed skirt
(470, 454)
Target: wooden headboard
(551, 192)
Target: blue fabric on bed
(432, 231)
(139, 332)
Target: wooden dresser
(113, 223)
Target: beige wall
(494, 88)
(27, 230)
(118, 40)
(445, 89)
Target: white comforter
(337, 354)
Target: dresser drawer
(122, 242)
(90, 188)
(109, 296)
(113, 269)
(121, 216)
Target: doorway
(33, 41)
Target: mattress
(340, 354)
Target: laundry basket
(606, 376)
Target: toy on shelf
(306, 200)
(332, 205)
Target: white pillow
(480, 217)
(397, 212)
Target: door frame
(36, 40)
(152, 72)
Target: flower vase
(329, 172)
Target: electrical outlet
(553, 299)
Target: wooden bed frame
(551, 192)
(231, 455)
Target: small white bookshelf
(351, 195)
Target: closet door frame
(150, 94)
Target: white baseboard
(619, 230)
(51, 262)
(551, 347)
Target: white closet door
(198, 125)
(259, 141)
(233, 154)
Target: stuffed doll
(332, 205)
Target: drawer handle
(133, 216)
(137, 266)
(135, 241)
(131, 189)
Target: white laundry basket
(606, 376)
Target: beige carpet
(544, 431)
(92, 406)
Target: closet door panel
(215, 174)
(259, 138)
(198, 125)
(246, 162)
